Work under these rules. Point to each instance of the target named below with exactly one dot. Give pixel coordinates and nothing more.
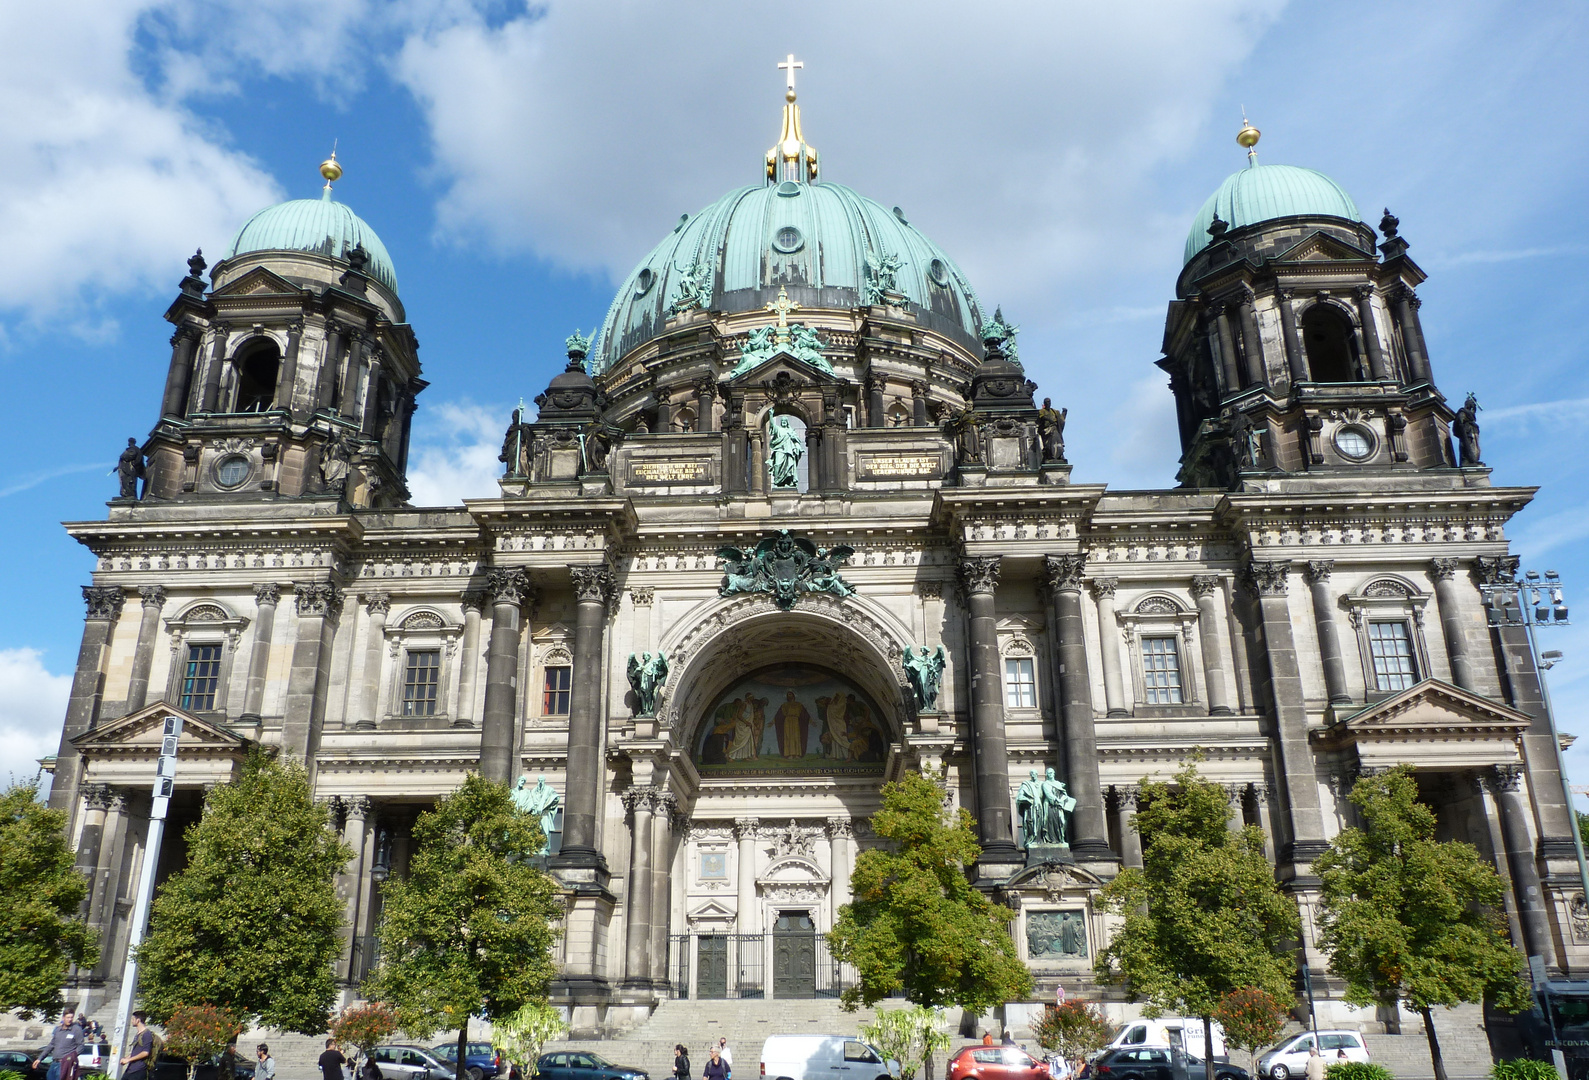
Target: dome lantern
(791, 159)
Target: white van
(1290, 1058)
(823, 1057)
(1185, 1032)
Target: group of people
(719, 1064)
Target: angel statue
(647, 672)
(543, 801)
(925, 672)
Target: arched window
(684, 420)
(258, 366)
(1330, 344)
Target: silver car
(404, 1062)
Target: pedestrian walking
(66, 1039)
(681, 1062)
(1315, 1064)
(715, 1068)
(331, 1061)
(140, 1050)
(265, 1065)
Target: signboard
(899, 466)
(670, 472)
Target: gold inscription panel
(900, 466)
(670, 472)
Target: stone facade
(1308, 606)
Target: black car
(20, 1061)
(1154, 1063)
(583, 1065)
(171, 1067)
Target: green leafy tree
(1583, 835)
(252, 924)
(1072, 1029)
(916, 926)
(470, 932)
(910, 1036)
(522, 1035)
(1252, 1019)
(196, 1033)
(364, 1027)
(1203, 916)
(41, 934)
(1406, 917)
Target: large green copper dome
(815, 239)
(322, 226)
(1267, 193)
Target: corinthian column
(88, 688)
(1103, 591)
(979, 577)
(1089, 835)
(378, 606)
(180, 375)
(1444, 571)
(1365, 314)
(154, 598)
(266, 596)
(469, 663)
(640, 803)
(592, 587)
(1505, 781)
(319, 604)
(1205, 588)
(747, 919)
(508, 589)
(1318, 575)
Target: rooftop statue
(129, 470)
(1466, 428)
(762, 344)
(786, 566)
(882, 277)
(999, 336)
(578, 344)
(695, 288)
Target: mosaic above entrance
(791, 718)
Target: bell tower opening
(1330, 345)
(257, 371)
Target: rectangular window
(421, 678)
(1390, 647)
(554, 702)
(1020, 684)
(1161, 671)
(202, 677)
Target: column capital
(1062, 572)
(474, 600)
(840, 828)
(1268, 577)
(745, 828)
(509, 586)
(1285, 295)
(918, 388)
(1128, 794)
(1362, 292)
(153, 596)
(664, 802)
(643, 595)
(1443, 569)
(1318, 570)
(1501, 778)
(1103, 588)
(359, 806)
(1204, 585)
(979, 573)
(104, 602)
(96, 796)
(636, 799)
(267, 594)
(378, 603)
(317, 598)
(1496, 569)
(592, 584)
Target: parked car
(1290, 1058)
(171, 1067)
(584, 1065)
(1166, 1032)
(1155, 1063)
(479, 1059)
(996, 1063)
(409, 1062)
(21, 1062)
(823, 1057)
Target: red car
(996, 1063)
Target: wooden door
(794, 956)
(711, 966)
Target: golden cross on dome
(790, 65)
(783, 307)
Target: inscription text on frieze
(670, 472)
(901, 465)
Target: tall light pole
(159, 802)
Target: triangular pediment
(1323, 247)
(1430, 710)
(802, 373)
(140, 733)
(257, 280)
(711, 911)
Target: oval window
(787, 239)
(938, 272)
(900, 214)
(684, 219)
(1354, 442)
(644, 282)
(232, 471)
(788, 188)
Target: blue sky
(518, 162)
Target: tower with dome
(795, 522)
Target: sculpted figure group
(648, 671)
(1044, 806)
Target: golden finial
(330, 169)
(1248, 136)
(793, 158)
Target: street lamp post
(160, 801)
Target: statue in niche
(1058, 805)
(596, 444)
(967, 434)
(542, 801)
(335, 461)
(648, 671)
(1466, 429)
(784, 450)
(1051, 431)
(925, 672)
(129, 470)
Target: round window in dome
(939, 273)
(644, 282)
(788, 188)
(1354, 442)
(232, 472)
(788, 239)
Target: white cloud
(32, 706)
(455, 454)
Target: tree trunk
(463, 1046)
(1208, 1049)
(1434, 1043)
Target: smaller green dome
(1267, 193)
(322, 226)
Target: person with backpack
(141, 1050)
(265, 1068)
